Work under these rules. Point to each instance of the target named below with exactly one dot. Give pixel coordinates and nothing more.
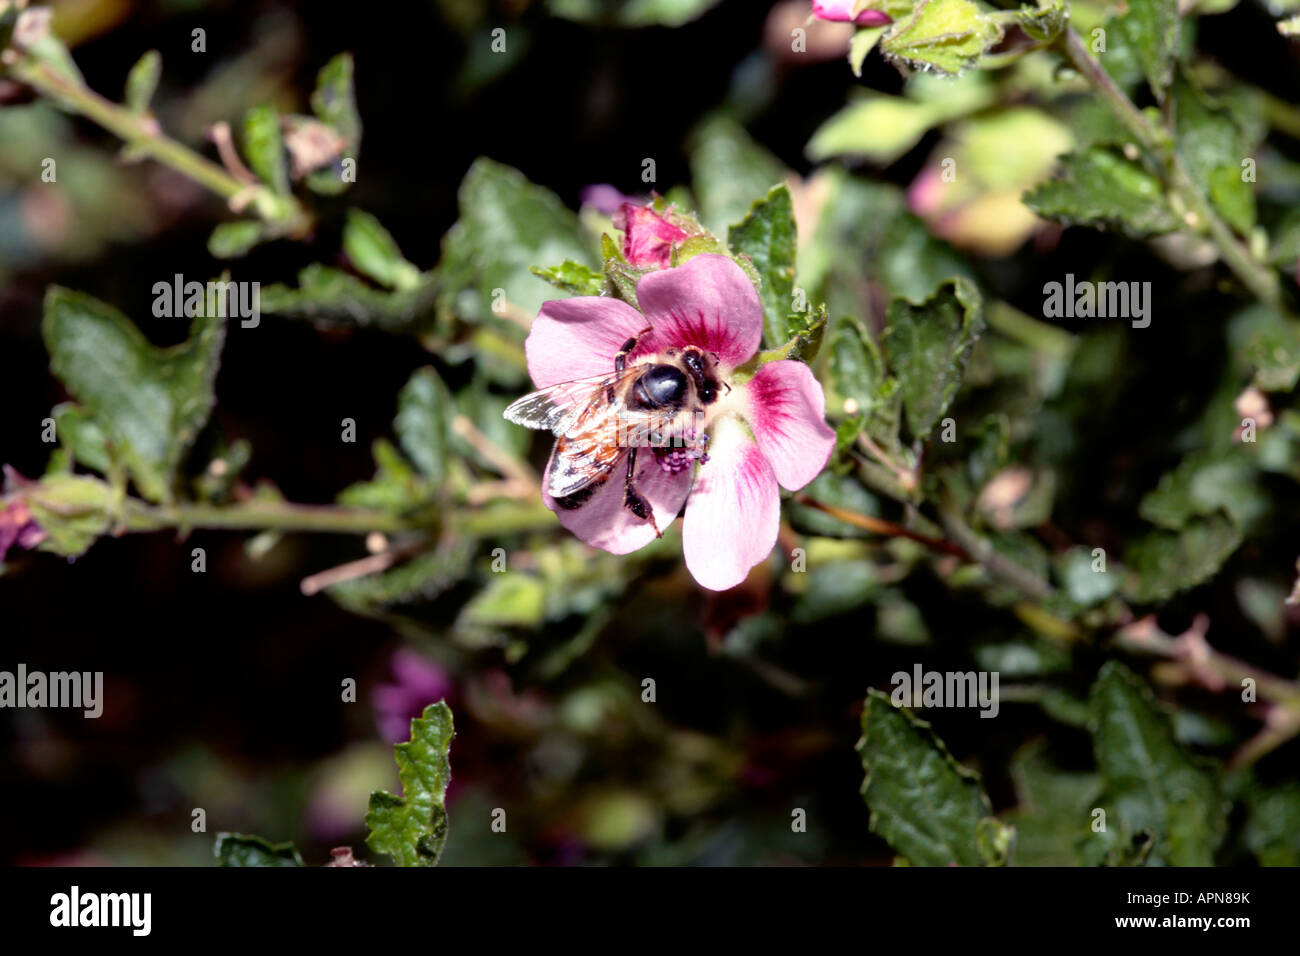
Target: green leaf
(1084, 586)
(943, 35)
(882, 128)
(621, 276)
(891, 249)
(241, 849)
(928, 346)
(630, 13)
(837, 587)
(231, 240)
(1274, 351)
(396, 486)
(424, 412)
(857, 368)
(1044, 23)
(264, 147)
(1052, 810)
(1151, 28)
(412, 828)
(864, 41)
(878, 128)
(509, 600)
(858, 373)
(894, 9)
(374, 253)
(1272, 829)
(82, 437)
(142, 81)
(150, 403)
(506, 225)
(767, 235)
(1101, 189)
(334, 102)
(1213, 145)
(333, 297)
(417, 581)
(8, 17)
(573, 277)
(1149, 782)
(1166, 562)
(927, 806)
(728, 169)
(1204, 483)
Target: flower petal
(648, 238)
(603, 522)
(708, 302)
(842, 10)
(578, 338)
(603, 198)
(734, 511)
(786, 409)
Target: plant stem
(1257, 276)
(1209, 665)
(261, 516)
(140, 131)
(879, 526)
(285, 516)
(983, 552)
(1039, 336)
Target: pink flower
(648, 237)
(419, 682)
(842, 10)
(764, 432)
(17, 526)
(604, 198)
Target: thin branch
(141, 133)
(496, 456)
(1257, 276)
(887, 528)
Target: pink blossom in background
(419, 683)
(604, 198)
(17, 526)
(767, 433)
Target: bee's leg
(633, 500)
(620, 360)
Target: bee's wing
(580, 462)
(589, 449)
(552, 408)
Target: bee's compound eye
(662, 385)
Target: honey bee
(650, 407)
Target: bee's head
(701, 370)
